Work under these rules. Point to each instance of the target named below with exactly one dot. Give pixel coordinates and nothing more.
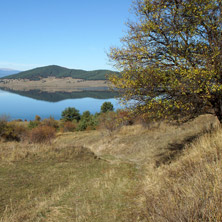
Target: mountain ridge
(60, 72)
(5, 72)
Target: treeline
(60, 72)
(43, 131)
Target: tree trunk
(217, 106)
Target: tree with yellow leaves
(171, 59)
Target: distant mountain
(60, 72)
(6, 72)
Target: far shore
(53, 84)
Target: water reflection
(27, 104)
(59, 96)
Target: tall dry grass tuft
(190, 188)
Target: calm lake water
(22, 107)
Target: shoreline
(53, 84)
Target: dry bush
(50, 122)
(114, 120)
(69, 127)
(12, 131)
(189, 189)
(42, 134)
(108, 121)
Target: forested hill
(60, 72)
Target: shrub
(50, 122)
(108, 121)
(88, 121)
(86, 116)
(9, 134)
(3, 124)
(107, 107)
(42, 134)
(83, 124)
(124, 118)
(114, 120)
(69, 127)
(70, 114)
(37, 118)
(12, 131)
(33, 124)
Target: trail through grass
(66, 186)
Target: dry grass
(189, 188)
(158, 173)
(139, 144)
(62, 183)
(52, 84)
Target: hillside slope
(160, 172)
(60, 72)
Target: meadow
(116, 171)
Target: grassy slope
(44, 183)
(161, 173)
(60, 72)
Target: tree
(171, 59)
(70, 114)
(86, 115)
(106, 107)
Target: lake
(26, 105)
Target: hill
(60, 72)
(6, 72)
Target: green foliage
(106, 107)
(171, 59)
(33, 124)
(83, 124)
(70, 114)
(86, 115)
(60, 72)
(87, 121)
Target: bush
(42, 134)
(86, 116)
(108, 121)
(70, 114)
(88, 121)
(8, 133)
(12, 131)
(33, 124)
(83, 124)
(124, 117)
(107, 107)
(50, 122)
(37, 118)
(69, 127)
(114, 120)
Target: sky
(71, 33)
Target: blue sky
(70, 33)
